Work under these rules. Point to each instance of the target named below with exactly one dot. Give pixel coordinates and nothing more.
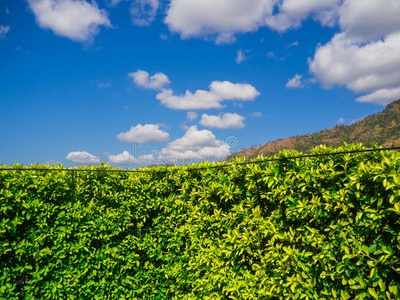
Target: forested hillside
(382, 129)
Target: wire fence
(281, 159)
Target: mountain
(382, 129)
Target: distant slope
(382, 129)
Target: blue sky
(150, 81)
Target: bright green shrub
(323, 228)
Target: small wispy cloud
(241, 55)
(103, 84)
(294, 44)
(256, 114)
(3, 31)
(225, 39)
(271, 54)
(295, 82)
(191, 116)
(52, 163)
(341, 120)
(356, 120)
(164, 36)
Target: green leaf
(372, 249)
(373, 293)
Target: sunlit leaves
(206, 234)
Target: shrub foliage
(316, 228)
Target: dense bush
(323, 228)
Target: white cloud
(183, 126)
(191, 116)
(360, 67)
(225, 39)
(256, 114)
(103, 84)
(7, 10)
(295, 82)
(224, 18)
(294, 44)
(143, 12)
(125, 158)
(203, 154)
(114, 2)
(369, 20)
(229, 91)
(164, 36)
(382, 96)
(341, 120)
(195, 144)
(194, 139)
(219, 91)
(52, 163)
(293, 12)
(83, 157)
(3, 31)
(225, 121)
(271, 54)
(155, 82)
(199, 100)
(241, 56)
(77, 20)
(364, 56)
(149, 133)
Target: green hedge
(326, 228)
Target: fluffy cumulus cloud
(225, 121)
(220, 18)
(3, 31)
(369, 20)
(295, 82)
(143, 12)
(155, 82)
(364, 56)
(219, 91)
(77, 20)
(223, 18)
(125, 158)
(370, 68)
(149, 133)
(195, 145)
(293, 12)
(382, 96)
(83, 157)
(194, 139)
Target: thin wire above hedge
(205, 168)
